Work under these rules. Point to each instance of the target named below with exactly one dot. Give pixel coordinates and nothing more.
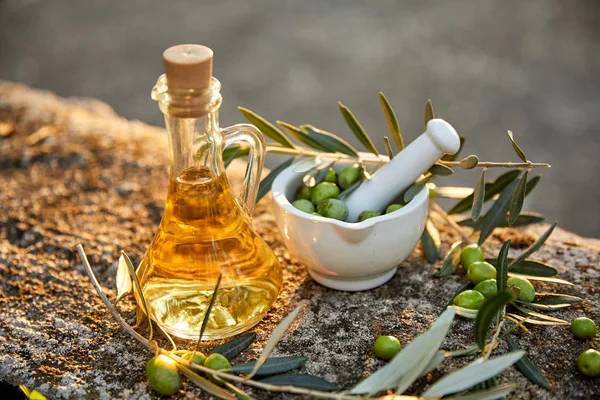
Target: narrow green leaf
(546, 307)
(453, 157)
(440, 170)
(540, 278)
(205, 384)
(430, 241)
(497, 392)
(534, 247)
(306, 165)
(301, 380)
(350, 189)
(526, 218)
(273, 365)
(452, 259)
(123, 280)
(300, 136)
(502, 267)
(415, 189)
(516, 147)
(266, 128)
(528, 267)
(491, 189)
(207, 312)
(474, 373)
(435, 362)
(533, 321)
(138, 288)
(388, 147)
(466, 312)
(392, 121)
(329, 141)
(235, 346)
(538, 315)
(488, 313)
(531, 184)
(468, 351)
(265, 184)
(429, 114)
(497, 213)
(276, 336)
(469, 162)
(358, 130)
(556, 298)
(517, 200)
(235, 153)
(478, 197)
(527, 367)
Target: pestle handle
(403, 170)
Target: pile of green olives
(323, 198)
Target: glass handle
(246, 133)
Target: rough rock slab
(91, 177)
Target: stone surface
(91, 177)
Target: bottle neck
(192, 122)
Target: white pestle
(393, 178)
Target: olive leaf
(267, 182)
(392, 121)
(478, 197)
(430, 241)
(527, 367)
(491, 189)
(358, 130)
(474, 373)
(388, 147)
(544, 317)
(533, 321)
(301, 380)
(235, 346)
(556, 298)
(239, 393)
(497, 392)
(277, 334)
(350, 189)
(467, 351)
(273, 365)
(230, 156)
(496, 213)
(440, 170)
(329, 141)
(266, 127)
(138, 289)
(300, 136)
(469, 162)
(516, 147)
(123, 280)
(416, 188)
(429, 114)
(207, 313)
(540, 278)
(488, 312)
(307, 165)
(546, 307)
(528, 267)
(205, 384)
(534, 247)
(466, 312)
(452, 259)
(518, 198)
(531, 184)
(526, 218)
(502, 267)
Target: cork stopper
(188, 66)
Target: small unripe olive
(217, 362)
(470, 299)
(348, 176)
(198, 358)
(488, 288)
(588, 362)
(393, 207)
(303, 192)
(368, 214)
(324, 191)
(434, 191)
(526, 289)
(386, 347)
(304, 205)
(471, 254)
(163, 375)
(584, 328)
(480, 271)
(333, 208)
(330, 176)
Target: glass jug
(205, 230)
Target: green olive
(330, 176)
(584, 328)
(488, 288)
(333, 208)
(303, 192)
(386, 347)
(217, 362)
(304, 205)
(434, 191)
(348, 176)
(480, 271)
(198, 358)
(588, 362)
(324, 191)
(163, 375)
(393, 207)
(526, 289)
(368, 214)
(471, 299)
(470, 254)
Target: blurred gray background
(531, 66)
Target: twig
(440, 211)
(489, 164)
(494, 340)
